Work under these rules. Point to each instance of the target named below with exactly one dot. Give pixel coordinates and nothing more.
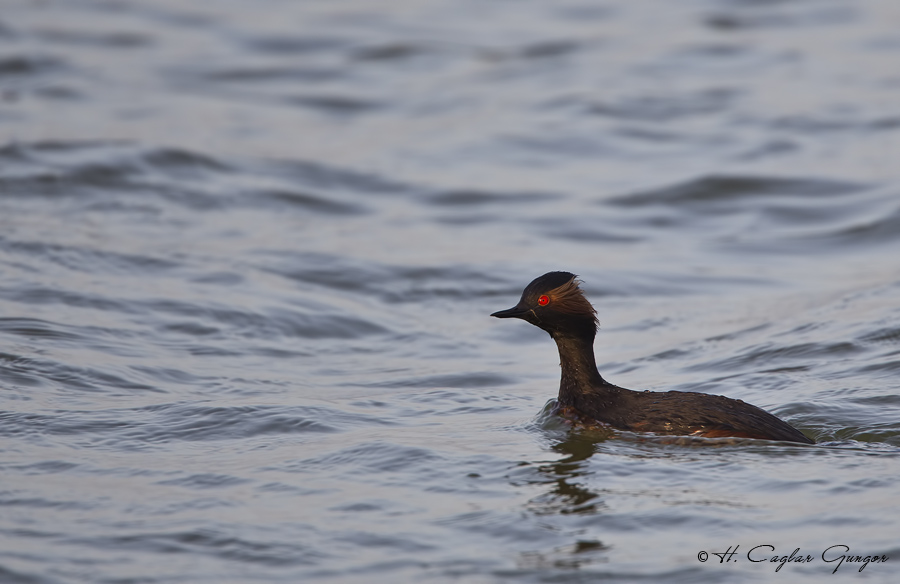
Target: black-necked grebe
(555, 303)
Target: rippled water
(248, 250)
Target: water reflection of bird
(555, 303)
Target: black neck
(579, 368)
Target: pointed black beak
(514, 312)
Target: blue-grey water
(248, 251)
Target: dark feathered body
(555, 303)
(682, 413)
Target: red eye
(544, 300)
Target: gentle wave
(248, 254)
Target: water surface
(248, 252)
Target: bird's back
(686, 414)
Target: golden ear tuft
(569, 299)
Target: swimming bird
(555, 303)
